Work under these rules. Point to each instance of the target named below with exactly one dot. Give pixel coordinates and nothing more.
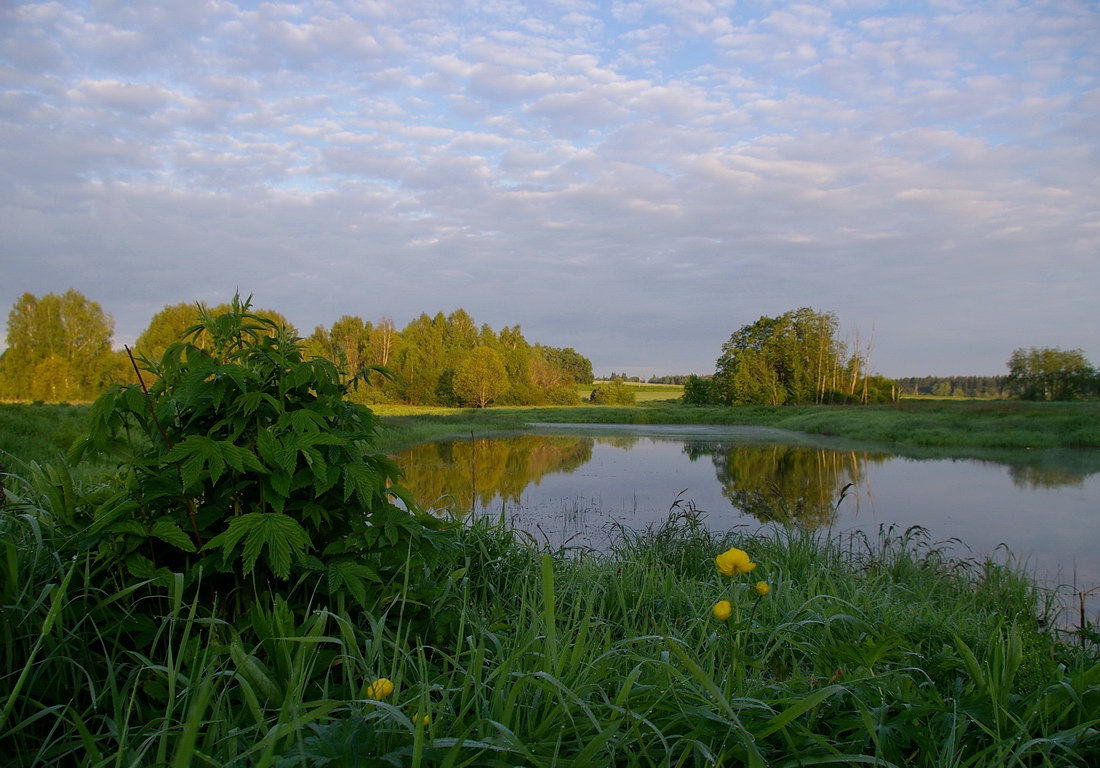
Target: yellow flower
(722, 610)
(762, 588)
(734, 561)
(379, 689)
(420, 719)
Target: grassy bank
(922, 423)
(872, 652)
(43, 432)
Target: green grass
(979, 424)
(40, 432)
(643, 392)
(878, 651)
(866, 651)
(43, 432)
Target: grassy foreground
(861, 652)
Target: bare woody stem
(164, 435)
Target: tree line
(795, 358)
(954, 386)
(1034, 373)
(60, 350)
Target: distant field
(644, 393)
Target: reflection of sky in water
(633, 480)
(1055, 528)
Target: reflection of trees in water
(451, 474)
(1035, 478)
(626, 442)
(788, 484)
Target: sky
(636, 180)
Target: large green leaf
(167, 531)
(280, 535)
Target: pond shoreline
(578, 481)
(964, 425)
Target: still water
(574, 484)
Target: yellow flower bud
(379, 689)
(722, 610)
(762, 588)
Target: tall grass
(40, 432)
(866, 651)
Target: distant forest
(954, 386)
(936, 386)
(678, 380)
(60, 350)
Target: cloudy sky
(636, 180)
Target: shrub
(613, 392)
(245, 462)
(698, 391)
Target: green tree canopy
(1050, 373)
(426, 354)
(170, 324)
(59, 349)
(796, 357)
(571, 362)
(480, 377)
(697, 391)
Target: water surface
(573, 484)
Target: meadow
(830, 650)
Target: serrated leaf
(302, 421)
(194, 454)
(250, 402)
(281, 536)
(406, 498)
(241, 459)
(269, 448)
(132, 527)
(353, 576)
(140, 566)
(251, 462)
(280, 483)
(320, 475)
(170, 533)
(362, 479)
(323, 438)
(117, 507)
(191, 470)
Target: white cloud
(634, 180)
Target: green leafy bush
(244, 459)
(613, 392)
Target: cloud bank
(633, 179)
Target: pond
(572, 484)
